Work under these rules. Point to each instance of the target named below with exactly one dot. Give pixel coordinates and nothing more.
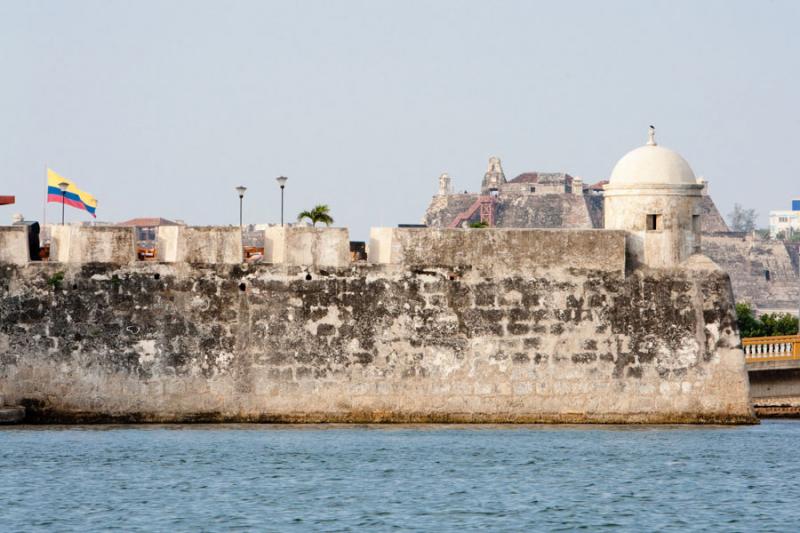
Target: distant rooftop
(542, 177)
(146, 222)
(526, 177)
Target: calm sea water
(420, 478)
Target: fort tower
(654, 196)
(494, 176)
(445, 186)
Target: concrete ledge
(307, 246)
(500, 251)
(14, 245)
(12, 415)
(777, 407)
(760, 366)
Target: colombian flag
(74, 197)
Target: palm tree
(320, 213)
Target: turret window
(654, 223)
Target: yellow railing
(784, 348)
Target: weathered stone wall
(500, 252)
(761, 271)
(163, 342)
(711, 220)
(521, 210)
(443, 209)
(544, 211)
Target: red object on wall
(7, 200)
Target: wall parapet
(499, 251)
(491, 250)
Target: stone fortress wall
(443, 325)
(564, 202)
(763, 272)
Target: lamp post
(63, 186)
(282, 182)
(240, 189)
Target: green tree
(749, 326)
(767, 325)
(479, 224)
(742, 219)
(320, 213)
(779, 324)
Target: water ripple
(399, 478)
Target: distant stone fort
(765, 273)
(628, 324)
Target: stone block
(167, 238)
(14, 245)
(307, 246)
(92, 244)
(200, 244)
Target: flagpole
(44, 210)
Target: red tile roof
(7, 200)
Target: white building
(785, 222)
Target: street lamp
(240, 189)
(63, 186)
(282, 182)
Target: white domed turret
(652, 164)
(653, 195)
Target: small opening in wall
(766, 275)
(533, 189)
(653, 222)
(74, 286)
(242, 287)
(696, 223)
(156, 276)
(308, 277)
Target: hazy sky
(162, 108)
